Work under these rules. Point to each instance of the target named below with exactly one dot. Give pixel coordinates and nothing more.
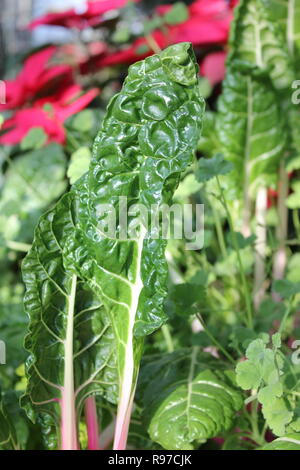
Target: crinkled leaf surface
(147, 139)
(79, 280)
(187, 398)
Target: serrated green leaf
(286, 289)
(34, 139)
(256, 43)
(277, 415)
(248, 376)
(210, 167)
(250, 130)
(177, 14)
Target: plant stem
(249, 320)
(296, 221)
(279, 263)
(260, 252)
(68, 414)
(168, 338)
(18, 246)
(214, 340)
(92, 423)
(152, 43)
(219, 232)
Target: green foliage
(211, 167)
(187, 398)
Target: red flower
(74, 18)
(48, 113)
(208, 23)
(213, 67)
(131, 54)
(35, 79)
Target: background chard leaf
(187, 398)
(256, 44)
(250, 130)
(71, 347)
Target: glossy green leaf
(187, 398)
(147, 140)
(210, 167)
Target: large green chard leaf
(187, 398)
(250, 129)
(147, 139)
(286, 14)
(256, 42)
(70, 340)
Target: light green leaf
(34, 139)
(288, 442)
(177, 14)
(79, 164)
(210, 167)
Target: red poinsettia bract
(48, 113)
(91, 15)
(36, 78)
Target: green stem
(18, 246)
(214, 340)
(296, 221)
(219, 232)
(241, 268)
(168, 338)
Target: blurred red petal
(73, 18)
(213, 67)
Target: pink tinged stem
(92, 423)
(122, 424)
(280, 258)
(261, 246)
(69, 440)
